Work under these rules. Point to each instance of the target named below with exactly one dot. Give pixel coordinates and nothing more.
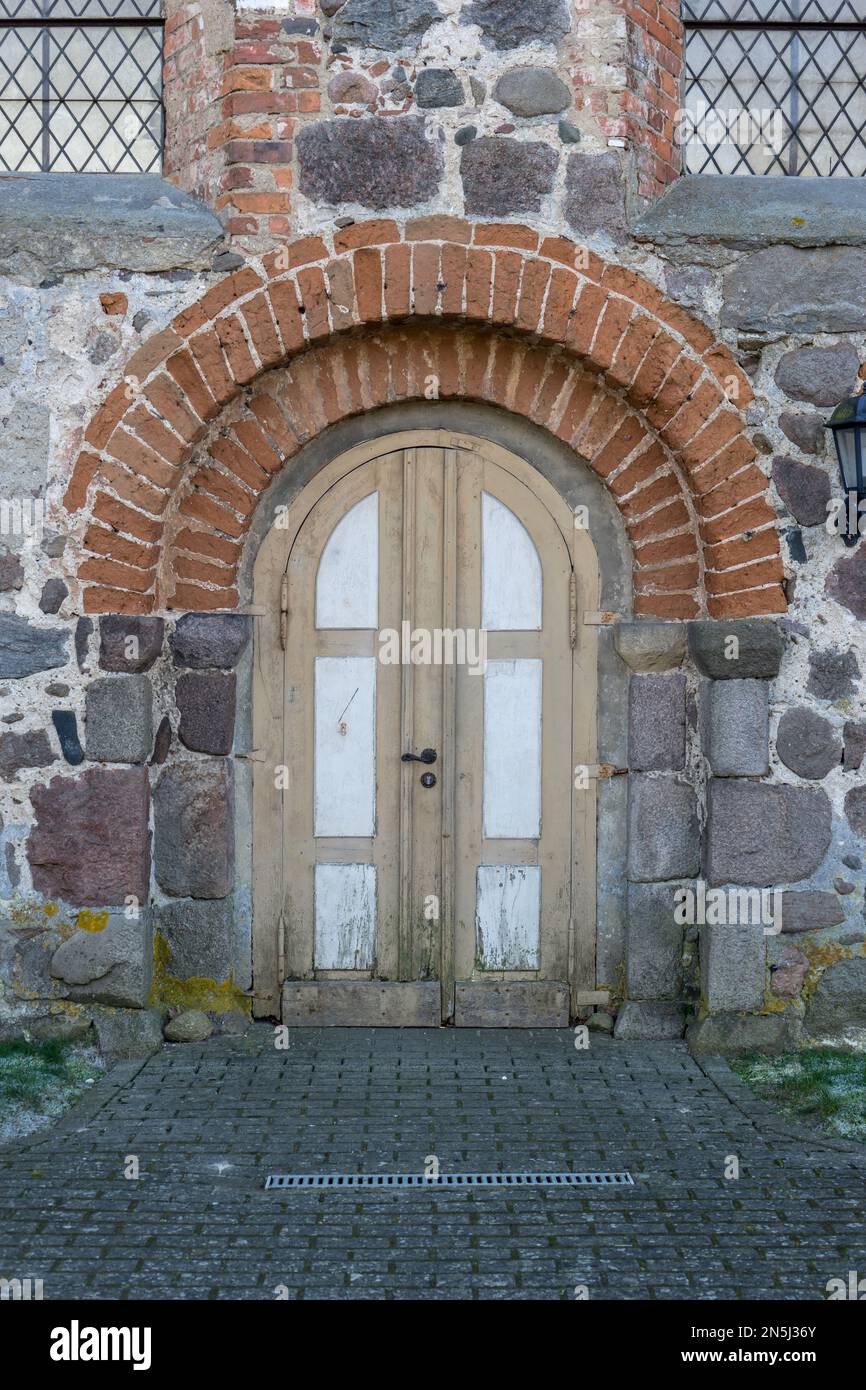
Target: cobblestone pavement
(208, 1122)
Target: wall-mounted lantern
(848, 423)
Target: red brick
(111, 572)
(236, 350)
(368, 284)
(581, 330)
(254, 441)
(193, 599)
(237, 461)
(533, 286)
(673, 607)
(313, 295)
(151, 353)
(207, 544)
(751, 603)
(186, 567)
(767, 571)
(439, 227)
(166, 396)
(206, 350)
(508, 267)
(272, 419)
(505, 234)
(109, 414)
(479, 278)
(425, 277)
(203, 508)
(122, 518)
(183, 369)
(256, 314)
(377, 232)
(560, 300)
(154, 433)
(103, 541)
(97, 599)
(397, 280)
(453, 277)
(747, 517)
(296, 253)
(86, 466)
(284, 302)
(141, 460)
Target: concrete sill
(53, 224)
(758, 210)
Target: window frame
(51, 17)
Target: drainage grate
(392, 1180)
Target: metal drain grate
(392, 1180)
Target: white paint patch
(345, 916)
(512, 749)
(507, 916)
(347, 585)
(345, 754)
(510, 571)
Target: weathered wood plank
(361, 1003)
(521, 1004)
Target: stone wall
(283, 119)
(160, 363)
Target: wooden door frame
(268, 725)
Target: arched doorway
(422, 597)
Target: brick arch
(590, 350)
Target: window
(775, 87)
(80, 86)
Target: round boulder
(820, 375)
(532, 92)
(855, 810)
(193, 1025)
(839, 1002)
(807, 743)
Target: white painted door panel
(512, 749)
(508, 916)
(345, 756)
(345, 916)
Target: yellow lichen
(197, 992)
(92, 921)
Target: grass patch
(39, 1081)
(821, 1087)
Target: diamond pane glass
(775, 100)
(81, 99)
(80, 9)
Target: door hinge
(284, 609)
(572, 609)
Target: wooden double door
(428, 697)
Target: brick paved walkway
(208, 1122)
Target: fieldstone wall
(713, 809)
(160, 363)
(284, 117)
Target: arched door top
(592, 351)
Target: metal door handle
(427, 755)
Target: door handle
(427, 755)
